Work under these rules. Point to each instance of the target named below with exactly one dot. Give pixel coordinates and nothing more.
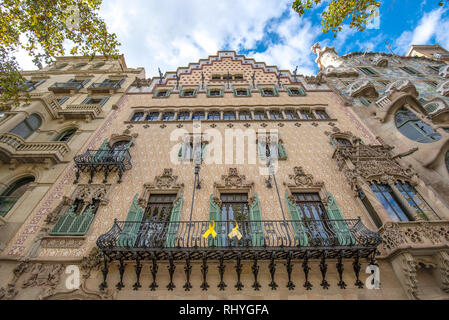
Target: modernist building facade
(231, 179)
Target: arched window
(28, 126)
(66, 135)
(12, 194)
(413, 128)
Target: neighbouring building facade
(231, 179)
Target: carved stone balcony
(380, 61)
(443, 89)
(15, 148)
(444, 71)
(260, 240)
(81, 111)
(362, 88)
(402, 86)
(66, 87)
(420, 236)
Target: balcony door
(155, 220)
(314, 216)
(13, 193)
(234, 207)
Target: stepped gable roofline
(171, 75)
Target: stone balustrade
(81, 111)
(14, 147)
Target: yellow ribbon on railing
(211, 230)
(235, 232)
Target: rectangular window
(411, 71)
(321, 114)
(260, 115)
(162, 93)
(213, 115)
(238, 77)
(275, 115)
(241, 92)
(368, 71)
(62, 100)
(306, 114)
(138, 116)
(432, 84)
(182, 116)
(198, 116)
(389, 201)
(234, 207)
(291, 114)
(216, 77)
(415, 200)
(244, 115)
(215, 93)
(229, 115)
(152, 116)
(168, 116)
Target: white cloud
(296, 38)
(432, 26)
(170, 34)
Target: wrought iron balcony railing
(66, 86)
(314, 236)
(105, 86)
(106, 161)
(261, 240)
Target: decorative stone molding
(53, 216)
(417, 235)
(233, 182)
(167, 182)
(88, 192)
(362, 163)
(86, 112)
(402, 86)
(302, 182)
(442, 260)
(10, 292)
(125, 136)
(340, 72)
(409, 273)
(63, 242)
(380, 61)
(363, 88)
(444, 71)
(443, 88)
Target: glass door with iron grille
(314, 217)
(234, 208)
(156, 219)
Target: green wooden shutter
(333, 142)
(208, 92)
(174, 223)
(194, 92)
(64, 221)
(181, 93)
(340, 227)
(129, 233)
(302, 91)
(72, 224)
(281, 150)
(221, 92)
(215, 214)
(298, 226)
(256, 226)
(365, 102)
(102, 151)
(275, 91)
(248, 92)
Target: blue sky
(172, 33)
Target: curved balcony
(265, 237)
(260, 240)
(362, 88)
(107, 161)
(380, 61)
(402, 86)
(14, 147)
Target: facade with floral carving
(230, 178)
(403, 101)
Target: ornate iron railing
(105, 86)
(106, 161)
(63, 86)
(164, 238)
